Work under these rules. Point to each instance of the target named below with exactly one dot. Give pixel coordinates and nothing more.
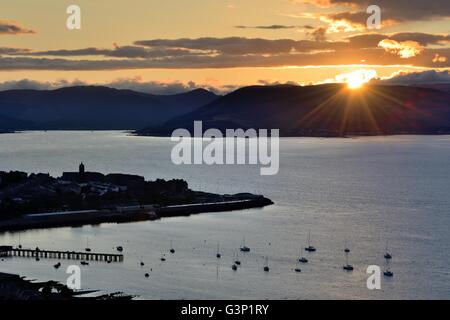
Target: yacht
(347, 266)
(237, 261)
(346, 250)
(266, 266)
(244, 248)
(302, 259)
(310, 248)
(388, 273)
(387, 255)
(218, 255)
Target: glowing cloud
(437, 58)
(405, 49)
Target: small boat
(142, 264)
(172, 250)
(298, 270)
(302, 259)
(387, 255)
(163, 258)
(244, 248)
(84, 263)
(119, 248)
(237, 261)
(347, 266)
(310, 248)
(147, 275)
(346, 250)
(266, 266)
(218, 255)
(37, 259)
(87, 249)
(388, 273)
(56, 266)
(234, 267)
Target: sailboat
(346, 249)
(310, 248)
(218, 255)
(266, 265)
(302, 259)
(244, 248)
(388, 273)
(20, 245)
(387, 255)
(87, 245)
(347, 266)
(172, 250)
(237, 261)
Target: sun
(356, 79)
(355, 82)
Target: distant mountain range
(323, 110)
(93, 108)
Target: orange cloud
(405, 49)
(437, 58)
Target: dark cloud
(8, 27)
(319, 34)
(398, 10)
(243, 46)
(415, 78)
(275, 27)
(237, 52)
(117, 52)
(12, 51)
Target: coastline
(127, 215)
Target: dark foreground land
(77, 198)
(14, 287)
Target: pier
(6, 251)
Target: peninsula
(39, 200)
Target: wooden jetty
(8, 251)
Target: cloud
(275, 27)
(415, 78)
(370, 40)
(237, 52)
(437, 58)
(12, 28)
(395, 10)
(13, 51)
(405, 49)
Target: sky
(170, 46)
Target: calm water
(366, 191)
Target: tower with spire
(81, 168)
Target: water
(365, 191)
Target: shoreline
(15, 287)
(126, 215)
